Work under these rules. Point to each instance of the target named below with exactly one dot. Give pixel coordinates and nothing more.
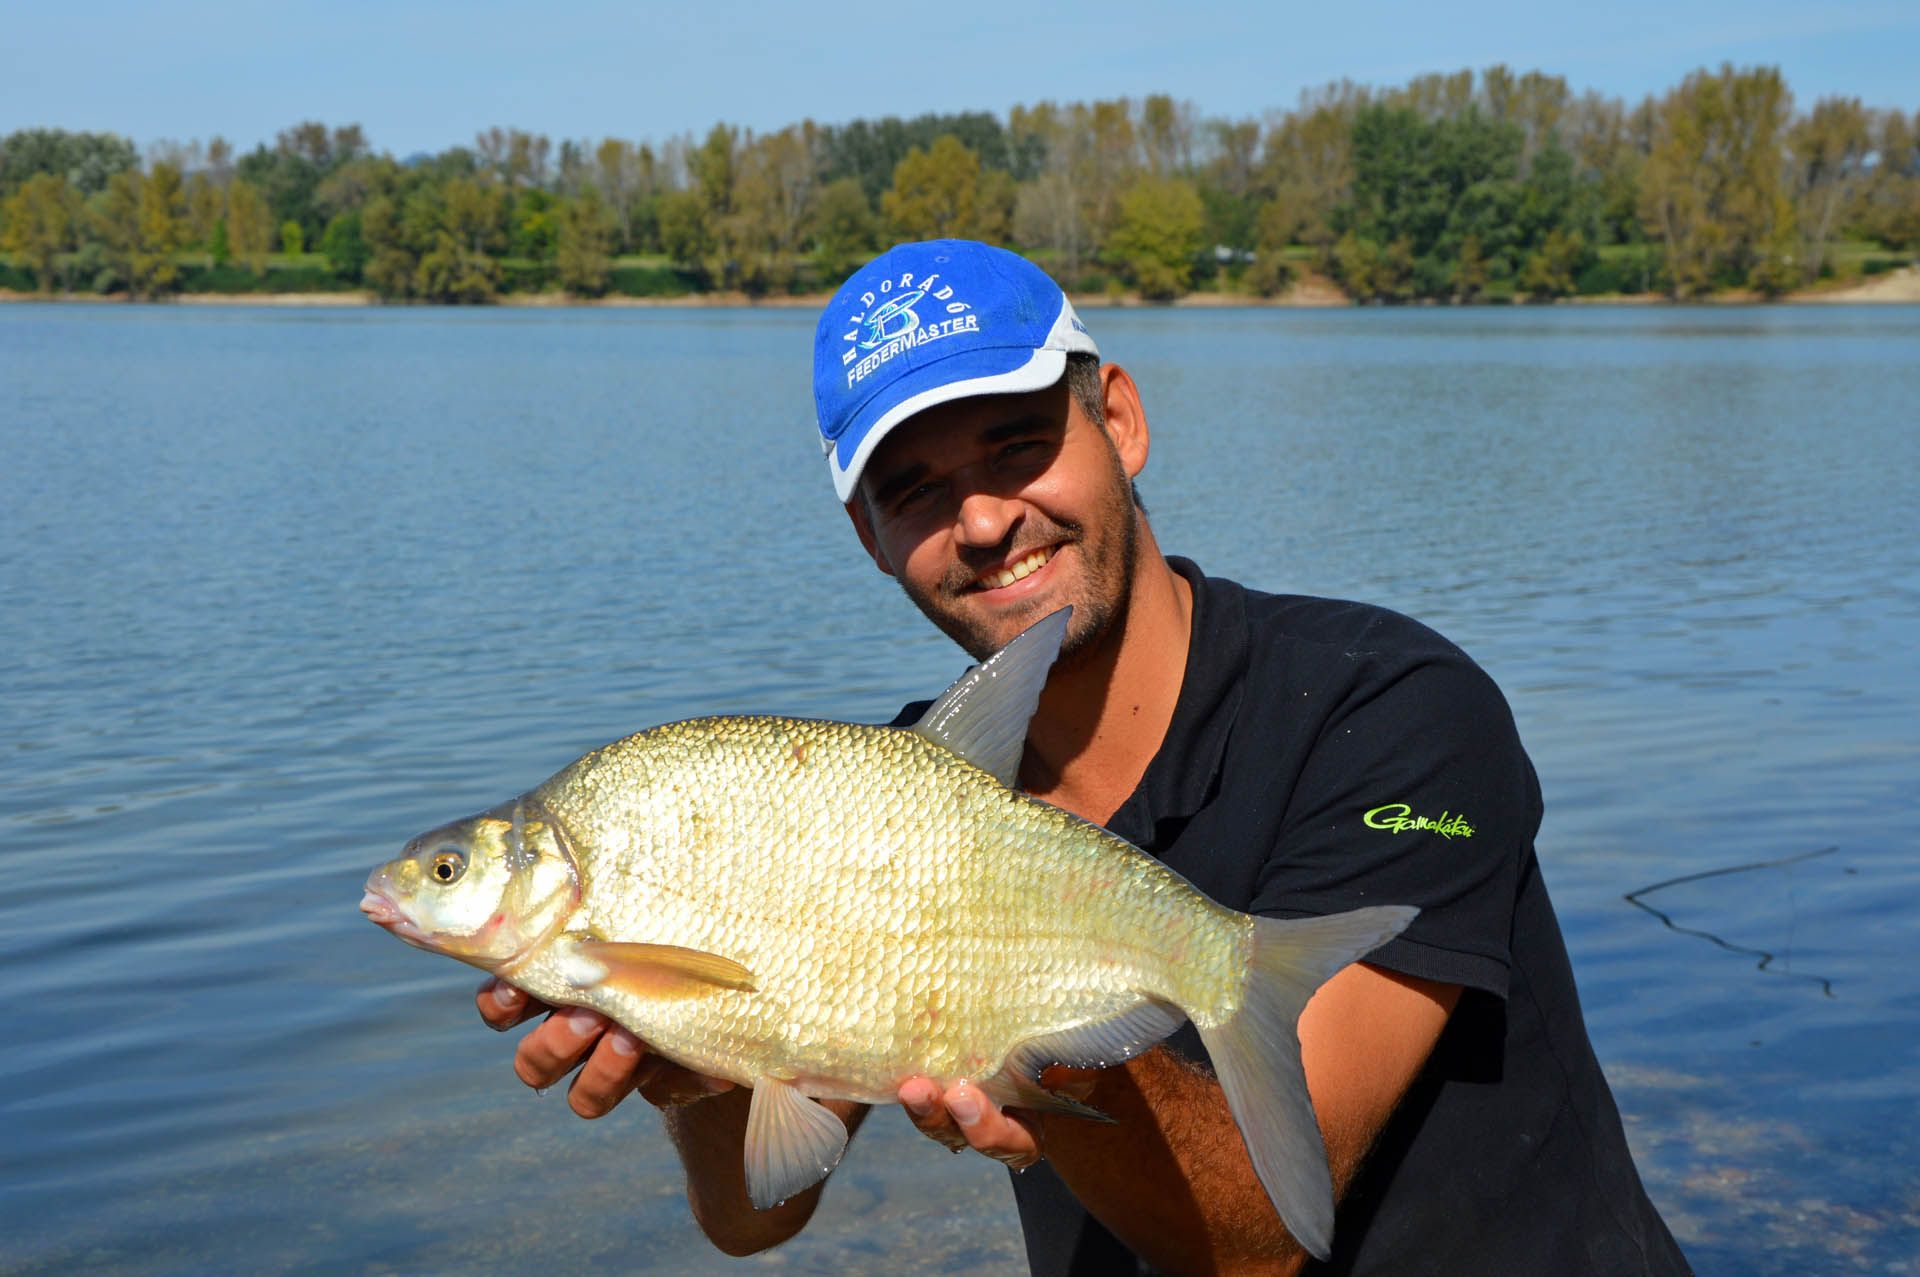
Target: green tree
(1552, 269)
(292, 242)
(1270, 273)
(391, 256)
(249, 225)
(1888, 206)
(843, 229)
(585, 231)
(1829, 152)
(686, 234)
(936, 193)
(460, 225)
(773, 194)
(86, 160)
(41, 221)
(345, 246)
(536, 226)
(1712, 189)
(1161, 229)
(142, 223)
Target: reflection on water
(285, 587)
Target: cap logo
(888, 323)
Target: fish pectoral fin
(793, 1142)
(983, 716)
(659, 970)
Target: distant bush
(17, 278)
(232, 279)
(651, 281)
(1621, 270)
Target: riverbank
(1898, 287)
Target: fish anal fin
(1097, 1044)
(793, 1142)
(663, 971)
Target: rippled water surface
(281, 588)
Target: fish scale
(824, 909)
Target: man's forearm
(1170, 1176)
(710, 1136)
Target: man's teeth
(1013, 572)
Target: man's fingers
(610, 1074)
(991, 1129)
(502, 1006)
(962, 1117)
(552, 1050)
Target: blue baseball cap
(926, 323)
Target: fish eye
(447, 866)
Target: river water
(282, 587)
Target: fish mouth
(384, 913)
(380, 910)
(1013, 570)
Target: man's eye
(916, 496)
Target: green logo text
(1399, 818)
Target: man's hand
(964, 1117)
(616, 1063)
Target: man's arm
(705, 1116)
(1171, 1177)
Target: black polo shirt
(1325, 755)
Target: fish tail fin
(1256, 1055)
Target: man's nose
(984, 519)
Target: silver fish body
(821, 909)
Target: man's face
(995, 511)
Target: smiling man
(1291, 756)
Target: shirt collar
(1185, 770)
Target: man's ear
(863, 526)
(1126, 422)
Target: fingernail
(505, 996)
(624, 1043)
(716, 1085)
(920, 1105)
(965, 1107)
(583, 1022)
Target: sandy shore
(1901, 286)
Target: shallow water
(284, 587)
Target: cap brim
(924, 388)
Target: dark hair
(1083, 384)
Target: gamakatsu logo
(890, 322)
(1399, 818)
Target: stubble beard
(1099, 602)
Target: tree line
(1460, 187)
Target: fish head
(486, 890)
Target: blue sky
(422, 75)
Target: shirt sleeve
(1415, 791)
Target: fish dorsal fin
(663, 971)
(793, 1142)
(983, 717)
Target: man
(1290, 756)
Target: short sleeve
(1415, 791)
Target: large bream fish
(821, 909)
